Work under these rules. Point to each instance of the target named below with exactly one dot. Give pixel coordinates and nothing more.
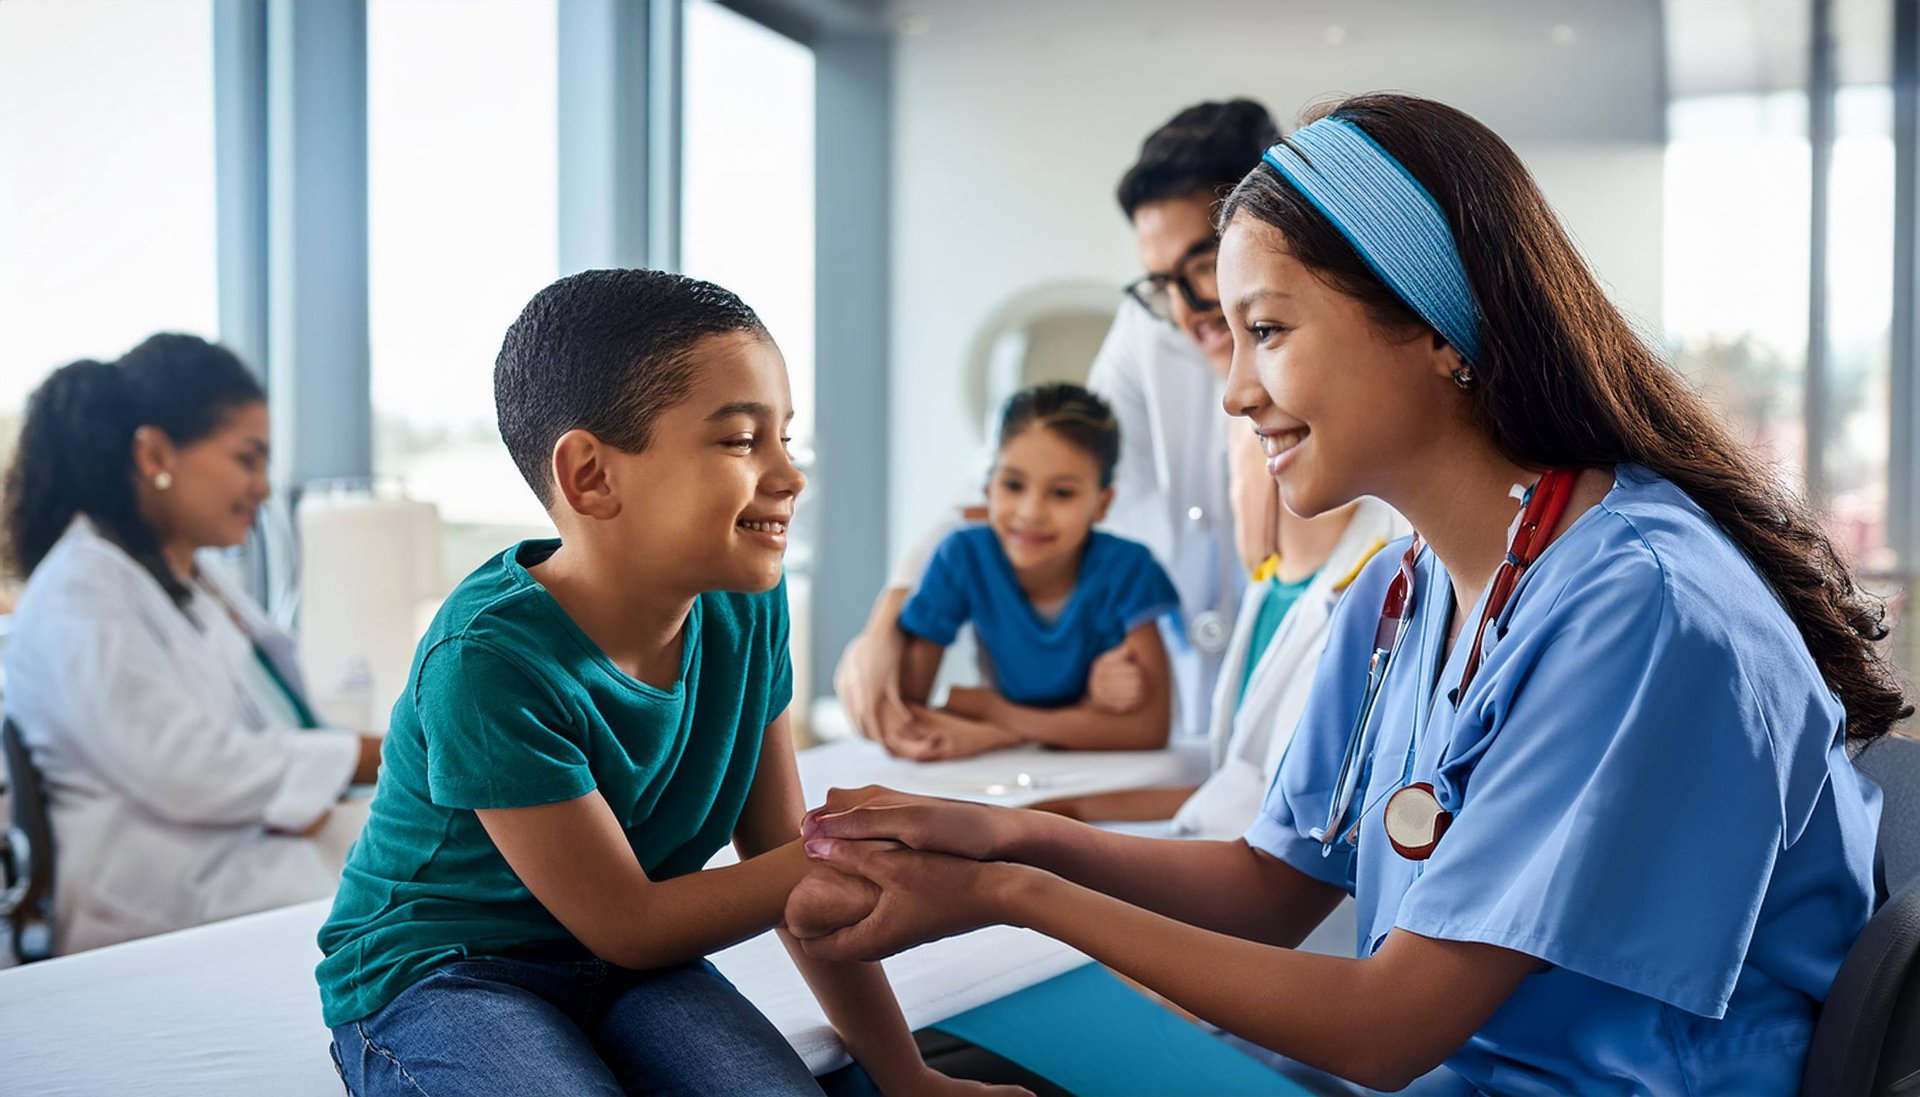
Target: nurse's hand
(1116, 684)
(901, 898)
(981, 832)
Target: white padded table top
(1016, 777)
(231, 1008)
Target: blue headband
(1389, 218)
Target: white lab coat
(167, 781)
(1249, 739)
(1170, 489)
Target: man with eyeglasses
(1162, 367)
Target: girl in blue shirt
(1046, 594)
(1580, 756)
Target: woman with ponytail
(185, 770)
(1578, 748)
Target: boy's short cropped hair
(604, 351)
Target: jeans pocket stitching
(391, 1058)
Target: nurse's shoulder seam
(1657, 502)
(1634, 559)
(1628, 568)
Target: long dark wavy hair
(1563, 379)
(76, 448)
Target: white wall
(1014, 119)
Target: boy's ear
(1106, 501)
(580, 475)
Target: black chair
(29, 906)
(1867, 1043)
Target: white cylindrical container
(366, 564)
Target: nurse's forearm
(1083, 727)
(1223, 886)
(1127, 805)
(1382, 1022)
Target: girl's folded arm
(919, 666)
(1081, 726)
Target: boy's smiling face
(706, 505)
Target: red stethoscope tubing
(1537, 522)
(1414, 819)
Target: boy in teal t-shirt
(587, 722)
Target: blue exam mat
(1093, 1035)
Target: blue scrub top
(1036, 662)
(1652, 795)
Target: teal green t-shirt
(1279, 599)
(509, 704)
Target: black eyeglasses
(1195, 279)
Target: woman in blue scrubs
(1578, 750)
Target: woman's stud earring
(1463, 377)
(162, 480)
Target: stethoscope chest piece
(1210, 632)
(1415, 821)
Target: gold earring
(162, 480)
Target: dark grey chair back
(1894, 765)
(1867, 1042)
(30, 917)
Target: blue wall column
(602, 134)
(317, 346)
(240, 174)
(853, 185)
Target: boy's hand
(1116, 684)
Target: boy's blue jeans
(502, 1027)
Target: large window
(106, 183)
(1743, 285)
(462, 224)
(747, 183)
(1859, 339)
(1740, 295)
(1736, 245)
(746, 222)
